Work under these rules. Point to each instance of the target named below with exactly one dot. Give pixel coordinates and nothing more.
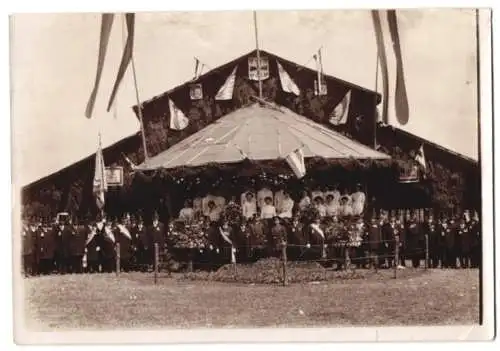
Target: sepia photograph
(251, 170)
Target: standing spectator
(107, 252)
(28, 248)
(414, 241)
(463, 243)
(46, 246)
(430, 228)
(320, 206)
(258, 236)
(140, 236)
(332, 206)
(64, 238)
(374, 242)
(358, 201)
(77, 247)
(305, 201)
(156, 233)
(93, 249)
(278, 235)
(476, 249)
(262, 196)
(248, 206)
(448, 233)
(286, 208)
(296, 238)
(123, 237)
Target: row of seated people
(267, 204)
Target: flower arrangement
(193, 235)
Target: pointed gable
(202, 112)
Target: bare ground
(105, 301)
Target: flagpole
(375, 115)
(103, 173)
(258, 52)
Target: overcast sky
(53, 61)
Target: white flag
(226, 90)
(287, 82)
(124, 231)
(341, 111)
(100, 184)
(420, 157)
(178, 121)
(295, 160)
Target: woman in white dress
(358, 201)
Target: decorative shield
(253, 68)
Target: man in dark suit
(107, 253)
(390, 231)
(403, 244)
(156, 234)
(92, 248)
(449, 236)
(476, 249)
(463, 243)
(123, 237)
(374, 243)
(431, 229)
(45, 248)
(29, 233)
(77, 247)
(297, 239)
(414, 241)
(63, 256)
(143, 245)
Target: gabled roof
(259, 133)
(224, 67)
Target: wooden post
(233, 259)
(117, 259)
(283, 262)
(190, 260)
(157, 253)
(396, 256)
(347, 258)
(427, 251)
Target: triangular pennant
(295, 160)
(420, 157)
(287, 83)
(178, 121)
(341, 111)
(226, 90)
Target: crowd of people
(267, 204)
(336, 231)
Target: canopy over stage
(259, 132)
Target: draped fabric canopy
(259, 132)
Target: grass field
(102, 301)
